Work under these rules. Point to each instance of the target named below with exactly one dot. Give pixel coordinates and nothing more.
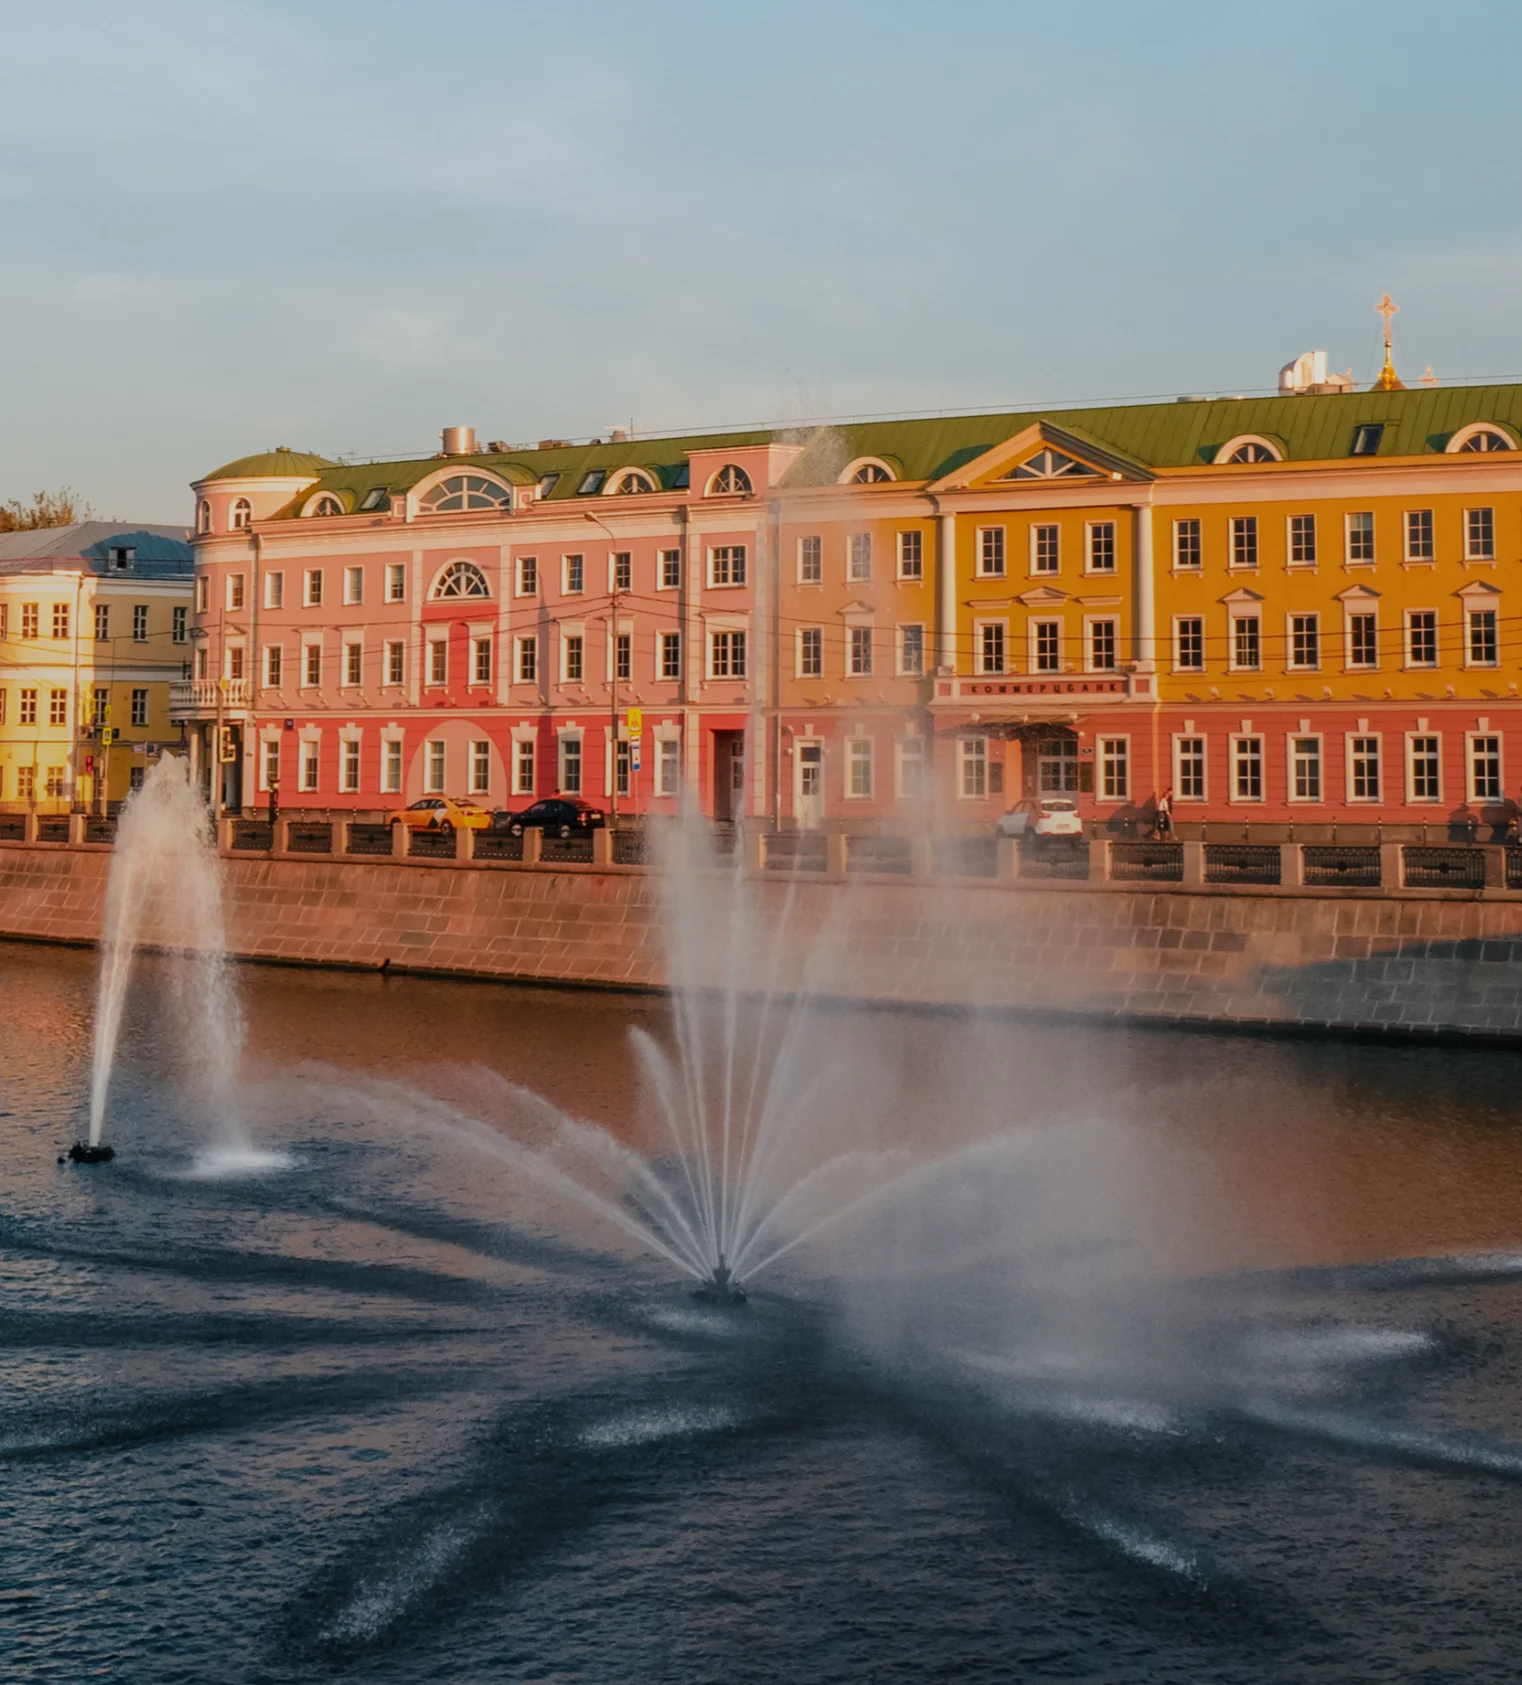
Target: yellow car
(441, 813)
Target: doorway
(808, 795)
(728, 775)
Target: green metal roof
(1178, 434)
(278, 464)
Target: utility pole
(613, 688)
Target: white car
(1043, 816)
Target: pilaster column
(1144, 631)
(946, 654)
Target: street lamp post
(613, 654)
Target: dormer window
(1247, 448)
(242, 514)
(465, 491)
(376, 498)
(1479, 437)
(327, 504)
(547, 484)
(460, 579)
(1366, 439)
(869, 471)
(730, 481)
(1049, 464)
(591, 482)
(631, 482)
(122, 556)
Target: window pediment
(1043, 596)
(1242, 595)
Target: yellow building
(94, 627)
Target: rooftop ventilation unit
(459, 441)
(1308, 373)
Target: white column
(946, 656)
(1145, 629)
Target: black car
(561, 816)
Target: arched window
(870, 471)
(1248, 447)
(460, 579)
(1480, 437)
(243, 513)
(203, 516)
(465, 491)
(730, 478)
(327, 504)
(630, 481)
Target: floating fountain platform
(720, 1288)
(82, 1152)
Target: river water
(1245, 1409)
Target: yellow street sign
(636, 721)
(107, 737)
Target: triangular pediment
(1478, 588)
(1044, 454)
(1358, 594)
(1043, 596)
(1242, 595)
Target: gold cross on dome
(1387, 307)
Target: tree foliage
(61, 508)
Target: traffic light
(228, 748)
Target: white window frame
(1471, 611)
(277, 651)
(992, 552)
(309, 762)
(435, 766)
(1349, 559)
(1291, 763)
(396, 582)
(730, 552)
(392, 764)
(1377, 739)
(350, 763)
(307, 681)
(521, 569)
(311, 588)
(236, 593)
(348, 681)
(1178, 644)
(1350, 612)
(811, 559)
(799, 670)
(1408, 516)
(392, 646)
(1249, 529)
(972, 768)
(1408, 619)
(1234, 769)
(1471, 789)
(274, 589)
(911, 566)
(1412, 799)
(1033, 637)
(480, 641)
(525, 738)
(527, 641)
(1290, 663)
(731, 632)
(579, 559)
(478, 786)
(1488, 554)
(668, 570)
(905, 751)
(1113, 751)
(1197, 533)
(858, 558)
(666, 640)
(566, 740)
(860, 753)
(1291, 542)
(905, 671)
(269, 760)
(1038, 528)
(577, 636)
(980, 653)
(436, 674)
(668, 760)
(1236, 618)
(1091, 531)
(1090, 623)
(354, 585)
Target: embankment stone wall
(1392, 964)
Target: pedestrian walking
(1162, 822)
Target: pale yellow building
(94, 628)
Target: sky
(345, 226)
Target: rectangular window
(434, 768)
(274, 665)
(991, 647)
(274, 590)
(810, 652)
(1484, 637)
(1305, 768)
(202, 659)
(235, 661)
(60, 620)
(727, 655)
(1247, 768)
(203, 593)
(623, 570)
(911, 649)
(623, 657)
(270, 775)
(348, 766)
(1426, 769)
(311, 590)
(911, 768)
(523, 767)
(181, 624)
(29, 620)
(396, 582)
(671, 655)
(1363, 641)
(671, 570)
(1101, 546)
(859, 767)
(354, 585)
(1102, 646)
(1114, 769)
(1189, 643)
(1361, 536)
(573, 572)
(102, 622)
(1479, 535)
(1421, 638)
(573, 661)
(1305, 640)
(860, 651)
(1186, 544)
(480, 767)
(354, 663)
(528, 576)
(1244, 541)
(570, 765)
(1419, 544)
(859, 558)
(100, 700)
(1485, 769)
(55, 783)
(1302, 540)
(1047, 638)
(58, 707)
(726, 565)
(973, 757)
(1363, 769)
(668, 767)
(309, 765)
(1046, 548)
(235, 590)
(391, 766)
(28, 712)
(140, 623)
(528, 661)
(1366, 438)
(438, 661)
(313, 655)
(621, 767)
(810, 561)
(1246, 644)
(991, 552)
(26, 783)
(396, 662)
(911, 555)
(481, 661)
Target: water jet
(720, 1288)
